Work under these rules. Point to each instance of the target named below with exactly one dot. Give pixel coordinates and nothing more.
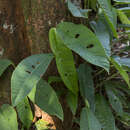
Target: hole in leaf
(38, 62)
(77, 35)
(33, 66)
(26, 107)
(90, 46)
(68, 31)
(28, 71)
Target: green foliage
(27, 74)
(86, 84)
(4, 63)
(64, 61)
(88, 121)
(104, 113)
(25, 113)
(49, 102)
(103, 96)
(8, 118)
(84, 42)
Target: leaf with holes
(104, 113)
(114, 99)
(88, 120)
(64, 62)
(102, 33)
(27, 74)
(82, 41)
(8, 118)
(86, 84)
(4, 63)
(118, 66)
(25, 113)
(77, 11)
(109, 15)
(45, 97)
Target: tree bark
(24, 27)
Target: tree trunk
(24, 27)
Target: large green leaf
(103, 34)
(114, 99)
(104, 113)
(82, 41)
(109, 14)
(77, 11)
(86, 84)
(27, 74)
(8, 118)
(64, 61)
(4, 63)
(25, 113)
(45, 97)
(119, 67)
(88, 121)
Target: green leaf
(88, 121)
(93, 4)
(102, 33)
(77, 11)
(52, 79)
(124, 62)
(72, 101)
(109, 14)
(104, 113)
(86, 84)
(64, 61)
(125, 119)
(114, 99)
(45, 97)
(42, 125)
(122, 1)
(25, 113)
(8, 118)
(82, 41)
(27, 74)
(4, 64)
(119, 67)
(124, 19)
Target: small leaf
(122, 1)
(77, 11)
(109, 15)
(86, 84)
(119, 67)
(72, 101)
(104, 113)
(82, 41)
(45, 97)
(27, 74)
(25, 113)
(103, 34)
(4, 64)
(88, 121)
(64, 62)
(8, 118)
(41, 125)
(113, 99)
